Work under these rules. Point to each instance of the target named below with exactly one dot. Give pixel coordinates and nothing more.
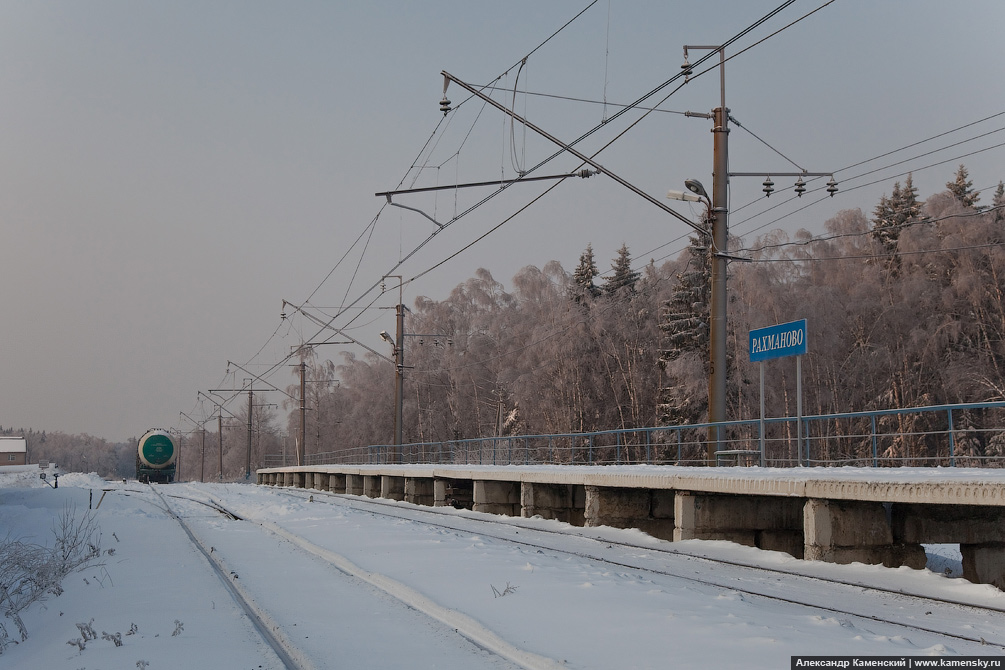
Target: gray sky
(170, 172)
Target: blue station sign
(785, 339)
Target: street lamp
(682, 195)
(695, 187)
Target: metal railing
(962, 435)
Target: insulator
(687, 69)
(769, 187)
(282, 316)
(586, 173)
(832, 187)
(800, 187)
(444, 105)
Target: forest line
(905, 308)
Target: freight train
(156, 456)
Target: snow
(347, 586)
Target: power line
(634, 105)
(845, 190)
(894, 151)
(401, 261)
(899, 227)
(854, 188)
(873, 256)
(421, 151)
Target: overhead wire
(854, 188)
(428, 239)
(917, 252)
(586, 100)
(636, 106)
(890, 153)
(558, 153)
(822, 6)
(535, 200)
(865, 233)
(402, 260)
(846, 190)
(618, 136)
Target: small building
(13, 450)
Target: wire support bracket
(581, 156)
(584, 174)
(441, 226)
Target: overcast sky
(170, 172)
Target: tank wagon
(156, 455)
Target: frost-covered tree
(586, 271)
(685, 314)
(622, 274)
(893, 213)
(685, 325)
(999, 203)
(962, 188)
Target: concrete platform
(842, 515)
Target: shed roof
(13, 444)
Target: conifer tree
(623, 276)
(883, 220)
(583, 276)
(963, 188)
(685, 323)
(999, 203)
(892, 214)
(907, 208)
(686, 313)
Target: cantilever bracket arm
(413, 209)
(583, 157)
(328, 326)
(274, 387)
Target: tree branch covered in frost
(30, 573)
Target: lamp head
(695, 187)
(681, 195)
(384, 336)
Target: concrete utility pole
(399, 378)
(302, 447)
(719, 256)
(399, 365)
(247, 463)
(717, 316)
(219, 432)
(202, 458)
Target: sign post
(782, 340)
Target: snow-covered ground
(348, 587)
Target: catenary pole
(247, 462)
(719, 256)
(219, 432)
(302, 447)
(399, 386)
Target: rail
(959, 435)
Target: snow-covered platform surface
(951, 486)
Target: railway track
(270, 632)
(981, 624)
(289, 652)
